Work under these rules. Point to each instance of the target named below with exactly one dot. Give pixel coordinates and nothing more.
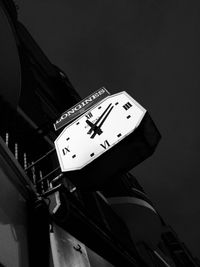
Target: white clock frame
(76, 149)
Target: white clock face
(98, 130)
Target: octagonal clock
(110, 138)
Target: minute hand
(105, 117)
(94, 125)
(98, 127)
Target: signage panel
(81, 107)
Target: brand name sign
(81, 107)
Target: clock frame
(98, 154)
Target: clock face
(98, 130)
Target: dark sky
(151, 50)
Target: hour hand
(93, 127)
(103, 117)
(96, 127)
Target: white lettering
(101, 91)
(80, 105)
(63, 116)
(71, 112)
(95, 95)
(86, 101)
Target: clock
(110, 138)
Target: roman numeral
(65, 150)
(105, 145)
(127, 106)
(89, 115)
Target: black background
(151, 50)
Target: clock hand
(103, 114)
(98, 128)
(91, 124)
(105, 117)
(94, 125)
